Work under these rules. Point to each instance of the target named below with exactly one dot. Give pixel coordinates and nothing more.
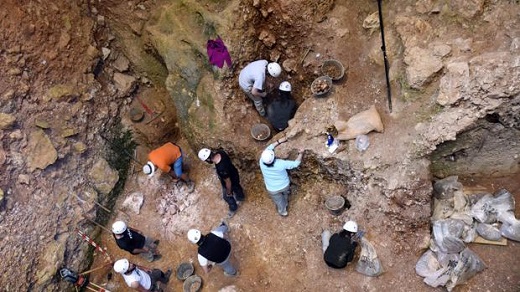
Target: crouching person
(339, 249)
(135, 242)
(140, 278)
(213, 249)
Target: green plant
(118, 151)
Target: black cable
(383, 48)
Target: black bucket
(337, 204)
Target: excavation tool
(80, 281)
(383, 48)
(85, 237)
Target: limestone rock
(290, 65)
(121, 63)
(134, 202)
(422, 66)
(6, 121)
(79, 147)
(40, 151)
(50, 261)
(371, 21)
(68, 132)
(42, 124)
(103, 177)
(453, 83)
(124, 83)
(92, 52)
(60, 93)
(267, 38)
(106, 52)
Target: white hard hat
(194, 235)
(149, 168)
(285, 86)
(274, 69)
(119, 227)
(204, 154)
(267, 156)
(350, 226)
(121, 266)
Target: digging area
(88, 89)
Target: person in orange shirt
(168, 158)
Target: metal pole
(383, 48)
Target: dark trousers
(157, 275)
(238, 195)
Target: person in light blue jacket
(276, 178)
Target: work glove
(360, 234)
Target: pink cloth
(218, 53)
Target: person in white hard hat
(232, 191)
(276, 178)
(282, 108)
(168, 158)
(141, 278)
(252, 80)
(133, 241)
(339, 249)
(213, 249)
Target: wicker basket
(333, 68)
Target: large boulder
(103, 177)
(6, 121)
(422, 66)
(40, 151)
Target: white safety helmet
(194, 235)
(149, 168)
(274, 69)
(285, 86)
(119, 227)
(204, 154)
(350, 226)
(267, 156)
(121, 266)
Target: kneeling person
(339, 249)
(134, 242)
(140, 278)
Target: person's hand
(282, 140)
(301, 150)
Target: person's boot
(168, 274)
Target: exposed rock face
(474, 84)
(40, 151)
(103, 177)
(422, 66)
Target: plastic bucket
(335, 205)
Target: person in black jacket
(232, 191)
(213, 249)
(134, 241)
(339, 249)
(282, 108)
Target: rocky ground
(71, 73)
